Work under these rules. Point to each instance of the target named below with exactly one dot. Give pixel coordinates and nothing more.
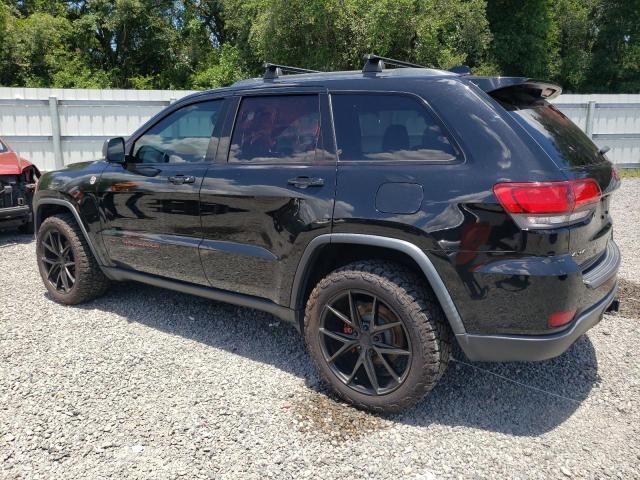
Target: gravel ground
(146, 383)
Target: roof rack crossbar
(273, 70)
(375, 63)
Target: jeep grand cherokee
(387, 213)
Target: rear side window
(562, 139)
(387, 127)
(281, 128)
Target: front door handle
(182, 179)
(304, 182)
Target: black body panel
(150, 224)
(256, 227)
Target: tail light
(558, 319)
(536, 205)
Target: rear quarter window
(558, 136)
(388, 127)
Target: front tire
(376, 335)
(68, 269)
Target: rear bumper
(12, 213)
(506, 348)
(596, 277)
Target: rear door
(396, 163)
(150, 204)
(270, 192)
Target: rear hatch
(575, 155)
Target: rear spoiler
(545, 90)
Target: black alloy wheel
(365, 343)
(58, 261)
(376, 335)
(67, 266)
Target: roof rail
(273, 70)
(375, 63)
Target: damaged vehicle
(18, 179)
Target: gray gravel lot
(146, 383)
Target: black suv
(387, 213)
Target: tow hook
(614, 306)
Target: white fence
(611, 120)
(55, 127)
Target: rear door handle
(182, 179)
(304, 182)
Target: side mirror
(113, 150)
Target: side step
(211, 293)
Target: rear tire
(68, 269)
(400, 335)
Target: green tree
(453, 32)
(577, 32)
(334, 34)
(211, 14)
(9, 69)
(41, 48)
(131, 39)
(225, 67)
(308, 33)
(525, 37)
(615, 63)
(585, 45)
(29, 7)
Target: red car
(18, 179)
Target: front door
(150, 204)
(269, 193)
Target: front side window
(281, 128)
(388, 127)
(183, 136)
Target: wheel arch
(400, 250)
(48, 207)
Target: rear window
(562, 139)
(384, 127)
(276, 128)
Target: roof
(488, 84)
(323, 77)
